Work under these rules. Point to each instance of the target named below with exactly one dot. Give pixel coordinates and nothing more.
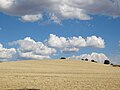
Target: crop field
(58, 75)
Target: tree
(92, 60)
(111, 64)
(106, 62)
(86, 59)
(82, 59)
(62, 58)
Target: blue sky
(104, 26)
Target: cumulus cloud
(69, 50)
(73, 44)
(6, 54)
(99, 57)
(31, 55)
(31, 18)
(96, 42)
(30, 49)
(59, 10)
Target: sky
(39, 29)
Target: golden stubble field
(58, 75)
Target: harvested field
(58, 75)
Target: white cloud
(31, 55)
(61, 9)
(5, 53)
(55, 19)
(68, 12)
(30, 49)
(66, 45)
(5, 4)
(73, 44)
(61, 42)
(96, 42)
(69, 50)
(31, 18)
(99, 57)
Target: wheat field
(58, 75)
